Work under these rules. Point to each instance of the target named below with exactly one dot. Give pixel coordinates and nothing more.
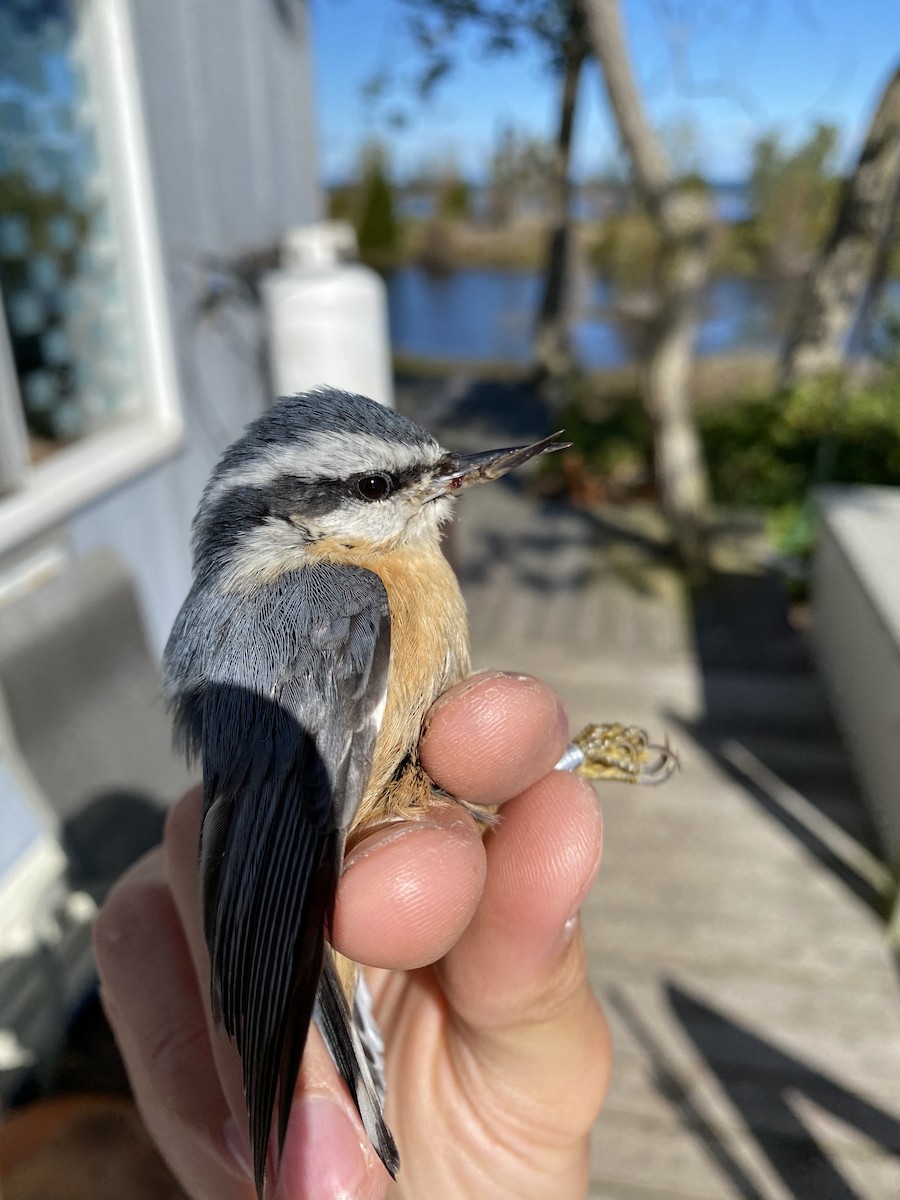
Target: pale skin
(497, 1052)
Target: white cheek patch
(388, 523)
(263, 554)
(382, 522)
(427, 521)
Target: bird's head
(328, 474)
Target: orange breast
(429, 653)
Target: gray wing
(281, 696)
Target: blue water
(481, 314)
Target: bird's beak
(468, 469)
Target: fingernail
(324, 1154)
(562, 720)
(384, 837)
(463, 689)
(484, 681)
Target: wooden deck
(735, 932)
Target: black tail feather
(333, 1017)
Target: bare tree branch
(648, 162)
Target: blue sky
(740, 68)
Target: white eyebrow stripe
(332, 454)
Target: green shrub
(622, 434)
(378, 229)
(455, 200)
(768, 453)
(791, 530)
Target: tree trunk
(878, 278)
(553, 348)
(835, 289)
(666, 372)
(684, 221)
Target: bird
(322, 623)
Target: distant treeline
(769, 225)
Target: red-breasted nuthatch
(322, 624)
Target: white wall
(227, 98)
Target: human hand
(497, 1054)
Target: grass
(621, 248)
(715, 380)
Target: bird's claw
(622, 753)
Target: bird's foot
(622, 753)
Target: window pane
(59, 260)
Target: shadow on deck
(736, 932)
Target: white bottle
(327, 318)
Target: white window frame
(37, 497)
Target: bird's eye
(374, 487)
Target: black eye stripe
(291, 496)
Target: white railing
(856, 599)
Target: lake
(485, 314)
